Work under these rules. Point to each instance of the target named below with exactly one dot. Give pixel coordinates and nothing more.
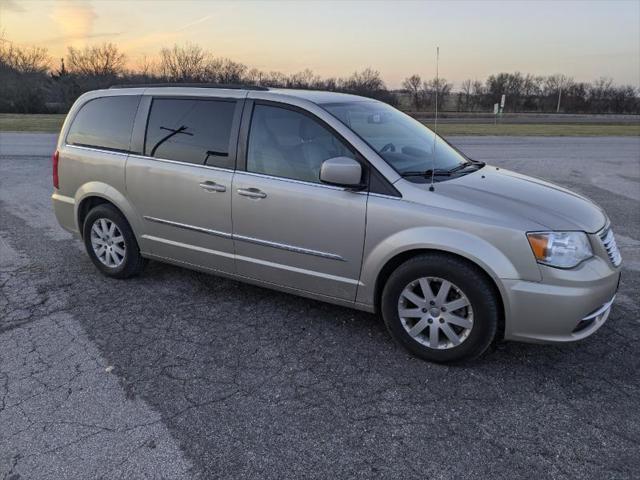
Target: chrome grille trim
(609, 243)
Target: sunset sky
(583, 39)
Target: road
(177, 374)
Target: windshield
(406, 144)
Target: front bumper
(568, 305)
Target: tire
(474, 325)
(126, 260)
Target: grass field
(10, 122)
(537, 129)
(16, 122)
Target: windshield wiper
(440, 172)
(427, 173)
(468, 163)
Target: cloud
(66, 38)
(74, 19)
(195, 22)
(11, 6)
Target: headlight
(560, 249)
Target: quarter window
(105, 122)
(190, 130)
(289, 144)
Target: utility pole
(559, 97)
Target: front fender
(103, 190)
(472, 247)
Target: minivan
(339, 198)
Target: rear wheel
(110, 242)
(441, 308)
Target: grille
(609, 242)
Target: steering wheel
(389, 147)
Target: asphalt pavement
(178, 374)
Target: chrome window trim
(257, 241)
(177, 162)
(96, 149)
(300, 182)
(144, 157)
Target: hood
(509, 193)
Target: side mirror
(342, 172)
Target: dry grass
(10, 122)
(16, 122)
(537, 129)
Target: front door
(289, 228)
(181, 186)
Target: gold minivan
(338, 198)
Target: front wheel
(441, 308)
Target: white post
(559, 97)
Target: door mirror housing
(342, 172)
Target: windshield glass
(406, 144)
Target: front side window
(105, 123)
(190, 130)
(289, 144)
(405, 144)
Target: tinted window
(193, 131)
(285, 143)
(105, 123)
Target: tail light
(55, 159)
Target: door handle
(213, 187)
(251, 193)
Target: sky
(584, 39)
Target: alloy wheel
(435, 312)
(108, 242)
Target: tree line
(29, 83)
(525, 93)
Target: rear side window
(105, 123)
(190, 130)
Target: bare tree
(184, 63)
(555, 84)
(600, 92)
(145, 67)
(413, 85)
(224, 70)
(23, 78)
(531, 90)
(467, 91)
(368, 80)
(96, 61)
(30, 84)
(305, 79)
(24, 60)
(254, 76)
(275, 79)
(439, 85)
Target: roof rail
(192, 85)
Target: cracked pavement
(178, 374)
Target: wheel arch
(394, 262)
(96, 193)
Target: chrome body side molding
(257, 241)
